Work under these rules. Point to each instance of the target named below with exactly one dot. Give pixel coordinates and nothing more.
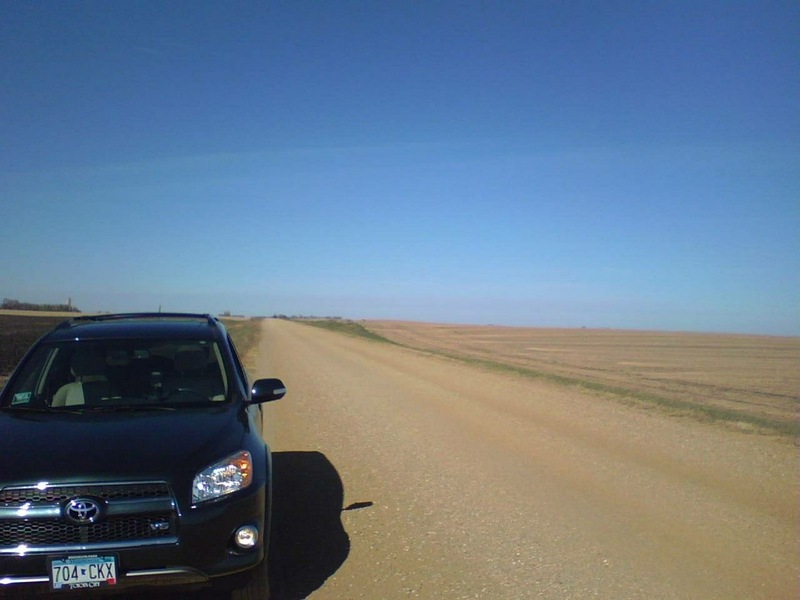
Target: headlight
(225, 477)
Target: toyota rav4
(131, 454)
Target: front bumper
(200, 548)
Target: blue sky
(598, 164)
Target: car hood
(84, 447)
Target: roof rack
(140, 315)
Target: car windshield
(120, 374)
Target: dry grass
(246, 334)
(745, 380)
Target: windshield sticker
(21, 398)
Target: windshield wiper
(126, 407)
(15, 408)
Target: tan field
(41, 313)
(748, 381)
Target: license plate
(83, 572)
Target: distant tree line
(9, 304)
(306, 317)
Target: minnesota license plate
(83, 572)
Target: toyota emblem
(82, 510)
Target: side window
(240, 371)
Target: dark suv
(131, 454)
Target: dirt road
(462, 483)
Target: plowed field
(747, 381)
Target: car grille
(60, 493)
(57, 533)
(138, 512)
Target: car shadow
(308, 542)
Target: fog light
(246, 536)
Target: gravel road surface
(404, 475)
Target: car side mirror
(266, 390)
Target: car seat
(90, 385)
(194, 372)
